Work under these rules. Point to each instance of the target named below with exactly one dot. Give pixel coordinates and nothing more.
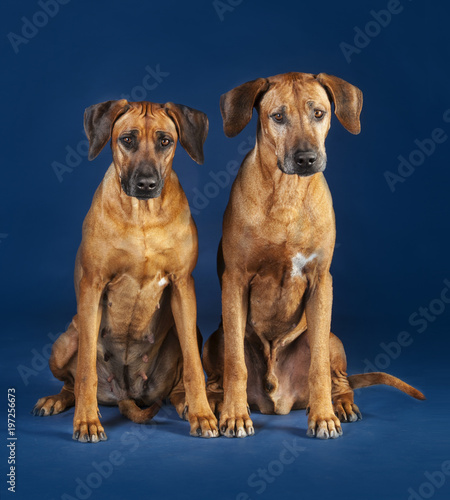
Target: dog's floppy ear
(192, 128)
(236, 105)
(347, 99)
(98, 123)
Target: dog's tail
(131, 410)
(368, 379)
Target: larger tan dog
(134, 340)
(275, 350)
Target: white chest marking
(162, 282)
(299, 261)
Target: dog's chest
(278, 291)
(135, 323)
(131, 301)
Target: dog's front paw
(323, 425)
(203, 422)
(235, 421)
(87, 427)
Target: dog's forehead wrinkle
(300, 95)
(271, 100)
(277, 108)
(148, 109)
(128, 130)
(150, 126)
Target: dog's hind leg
(52, 405)
(213, 363)
(341, 392)
(62, 364)
(178, 395)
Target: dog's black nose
(305, 158)
(147, 184)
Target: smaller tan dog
(274, 349)
(134, 340)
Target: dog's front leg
(235, 419)
(322, 421)
(184, 308)
(86, 424)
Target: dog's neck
(277, 187)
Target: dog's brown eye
(127, 140)
(165, 142)
(278, 117)
(318, 113)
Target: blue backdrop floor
(387, 455)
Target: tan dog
(134, 340)
(275, 350)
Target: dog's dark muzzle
(144, 185)
(303, 163)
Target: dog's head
(143, 140)
(294, 115)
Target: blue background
(391, 257)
